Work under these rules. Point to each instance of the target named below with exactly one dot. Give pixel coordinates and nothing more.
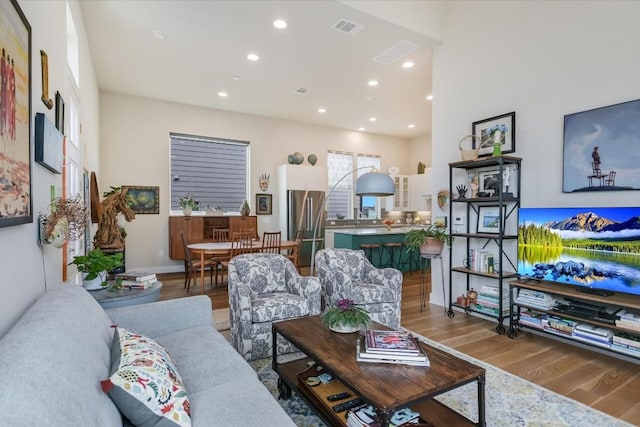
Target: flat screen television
(595, 249)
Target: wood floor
(600, 381)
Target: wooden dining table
(224, 248)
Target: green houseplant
(94, 267)
(345, 317)
(429, 240)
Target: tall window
(342, 204)
(212, 170)
(73, 56)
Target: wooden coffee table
(388, 387)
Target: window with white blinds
(212, 170)
(341, 203)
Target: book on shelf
(390, 341)
(420, 359)
(138, 276)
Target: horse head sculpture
(108, 235)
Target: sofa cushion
(264, 272)
(53, 360)
(145, 383)
(278, 306)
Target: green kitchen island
(352, 238)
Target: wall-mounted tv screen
(593, 248)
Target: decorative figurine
(462, 191)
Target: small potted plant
(94, 267)
(345, 317)
(429, 240)
(188, 204)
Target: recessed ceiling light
(280, 24)
(322, 110)
(411, 126)
(360, 129)
(235, 78)
(252, 57)
(372, 119)
(223, 94)
(429, 97)
(373, 83)
(408, 64)
(159, 35)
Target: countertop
(375, 230)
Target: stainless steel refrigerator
(303, 208)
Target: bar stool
(393, 250)
(369, 251)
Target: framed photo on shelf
(481, 130)
(489, 219)
(489, 183)
(263, 204)
(143, 200)
(16, 203)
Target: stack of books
(481, 261)
(593, 334)
(366, 416)
(535, 299)
(559, 326)
(377, 346)
(626, 343)
(532, 318)
(628, 320)
(489, 301)
(137, 279)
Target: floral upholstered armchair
(347, 273)
(265, 288)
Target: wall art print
(15, 116)
(482, 130)
(143, 200)
(601, 149)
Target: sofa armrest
(164, 317)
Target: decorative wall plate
(393, 170)
(443, 199)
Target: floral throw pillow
(145, 384)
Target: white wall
(542, 60)
(135, 151)
(24, 266)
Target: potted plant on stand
(429, 240)
(345, 317)
(94, 267)
(188, 204)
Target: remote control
(347, 405)
(338, 396)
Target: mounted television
(595, 249)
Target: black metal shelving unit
(508, 203)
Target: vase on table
(344, 329)
(186, 211)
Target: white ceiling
(206, 47)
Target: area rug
(221, 319)
(510, 400)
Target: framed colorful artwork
(16, 205)
(143, 200)
(483, 132)
(263, 204)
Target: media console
(574, 307)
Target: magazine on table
(390, 341)
(420, 359)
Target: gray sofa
(55, 356)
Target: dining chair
(192, 266)
(611, 180)
(293, 254)
(271, 242)
(241, 243)
(220, 235)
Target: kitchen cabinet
(400, 199)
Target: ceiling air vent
(302, 90)
(395, 52)
(348, 27)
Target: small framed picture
(143, 200)
(263, 204)
(489, 219)
(489, 183)
(484, 131)
(59, 112)
(441, 221)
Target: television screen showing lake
(594, 247)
